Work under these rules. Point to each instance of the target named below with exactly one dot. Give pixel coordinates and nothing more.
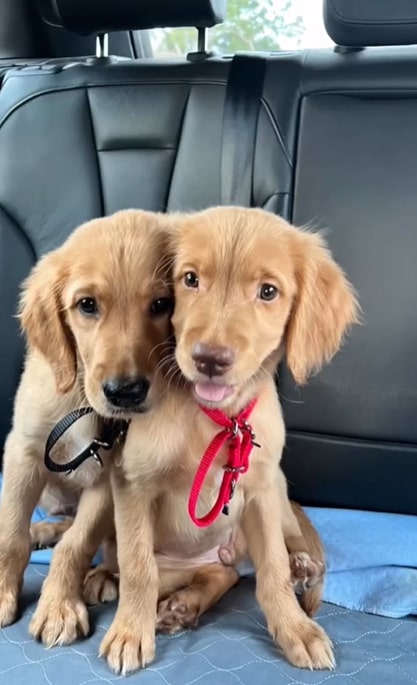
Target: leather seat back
(353, 433)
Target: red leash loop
(241, 438)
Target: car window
(252, 25)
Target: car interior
(90, 123)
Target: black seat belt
(240, 122)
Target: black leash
(111, 432)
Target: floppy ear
(324, 308)
(42, 320)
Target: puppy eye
(163, 305)
(268, 292)
(191, 279)
(88, 306)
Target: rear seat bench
(335, 148)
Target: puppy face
(247, 287)
(98, 309)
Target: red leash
(241, 441)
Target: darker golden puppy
(96, 314)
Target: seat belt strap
(240, 124)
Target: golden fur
(233, 252)
(123, 262)
(119, 261)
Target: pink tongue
(211, 392)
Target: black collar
(111, 432)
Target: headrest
(361, 23)
(102, 16)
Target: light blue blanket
(371, 559)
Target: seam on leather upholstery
(21, 231)
(277, 193)
(177, 148)
(94, 140)
(119, 84)
(151, 148)
(367, 92)
(373, 441)
(277, 130)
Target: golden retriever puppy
(61, 615)
(249, 290)
(96, 314)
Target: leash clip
(94, 447)
(248, 428)
(105, 444)
(92, 451)
(234, 430)
(226, 508)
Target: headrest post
(202, 42)
(102, 45)
(346, 49)
(202, 39)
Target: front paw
(59, 621)
(8, 604)
(12, 564)
(304, 643)
(129, 645)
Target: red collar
(241, 441)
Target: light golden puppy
(96, 314)
(249, 290)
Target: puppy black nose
(212, 360)
(126, 393)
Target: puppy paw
(177, 612)
(13, 561)
(100, 586)
(305, 644)
(59, 621)
(43, 535)
(305, 571)
(126, 648)
(8, 605)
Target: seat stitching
(180, 133)
(120, 84)
(276, 193)
(277, 130)
(21, 231)
(94, 141)
(132, 148)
